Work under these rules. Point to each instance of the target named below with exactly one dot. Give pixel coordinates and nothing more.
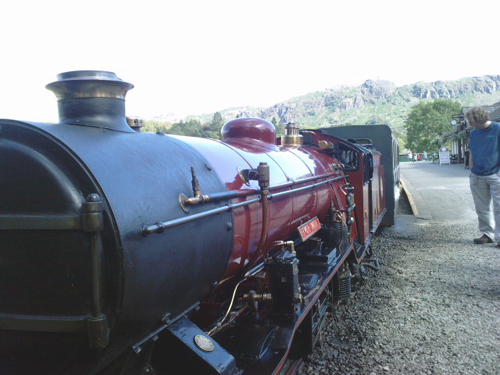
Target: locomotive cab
(367, 175)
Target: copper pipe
(264, 181)
(265, 222)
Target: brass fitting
(292, 136)
(285, 243)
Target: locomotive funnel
(91, 98)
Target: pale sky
(193, 57)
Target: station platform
(437, 193)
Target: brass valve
(326, 145)
(197, 197)
(285, 243)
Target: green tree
(212, 129)
(427, 121)
(374, 120)
(279, 126)
(192, 128)
(153, 126)
(217, 121)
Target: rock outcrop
(380, 100)
(375, 101)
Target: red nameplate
(308, 229)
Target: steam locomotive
(126, 252)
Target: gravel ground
(433, 308)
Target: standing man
(484, 163)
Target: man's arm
(471, 163)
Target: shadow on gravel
(431, 309)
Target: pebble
(441, 316)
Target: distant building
(460, 135)
(495, 115)
(493, 110)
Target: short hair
(478, 115)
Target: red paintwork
(245, 147)
(369, 198)
(308, 229)
(369, 195)
(254, 128)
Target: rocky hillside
(372, 102)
